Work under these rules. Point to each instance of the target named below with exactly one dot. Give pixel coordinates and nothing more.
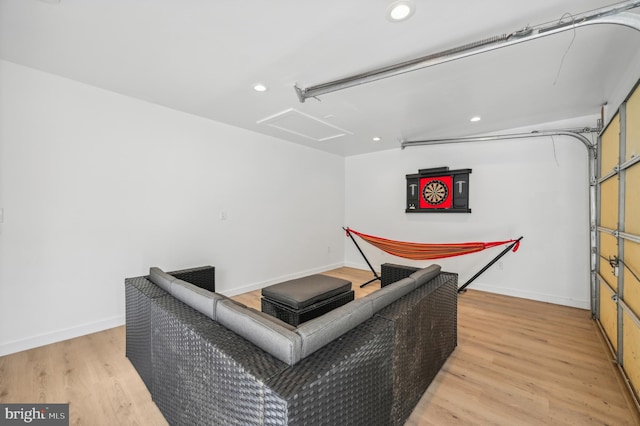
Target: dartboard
(435, 192)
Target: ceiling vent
(301, 124)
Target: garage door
(618, 238)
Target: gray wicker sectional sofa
(208, 360)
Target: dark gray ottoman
(303, 299)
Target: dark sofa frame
(199, 372)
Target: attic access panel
(301, 124)
(438, 190)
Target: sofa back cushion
(324, 329)
(268, 333)
(390, 293)
(203, 301)
(425, 274)
(161, 278)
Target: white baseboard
(540, 297)
(263, 284)
(60, 335)
(357, 265)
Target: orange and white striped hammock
(422, 251)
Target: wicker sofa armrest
(139, 293)
(391, 272)
(203, 276)
(425, 327)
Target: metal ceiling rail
(574, 133)
(613, 15)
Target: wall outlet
(500, 265)
(223, 215)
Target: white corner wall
(96, 187)
(622, 88)
(535, 188)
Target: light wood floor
(518, 362)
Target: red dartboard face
(435, 192)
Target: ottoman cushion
(306, 291)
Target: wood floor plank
(518, 362)
(90, 373)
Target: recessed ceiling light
(259, 87)
(475, 119)
(400, 10)
(377, 138)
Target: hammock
(421, 251)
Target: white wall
(97, 187)
(535, 188)
(622, 89)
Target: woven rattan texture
(199, 372)
(425, 335)
(203, 277)
(347, 382)
(390, 273)
(205, 374)
(298, 316)
(139, 292)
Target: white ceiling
(203, 56)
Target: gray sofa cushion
(324, 329)
(263, 331)
(425, 274)
(161, 278)
(278, 338)
(203, 301)
(306, 291)
(271, 318)
(390, 293)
